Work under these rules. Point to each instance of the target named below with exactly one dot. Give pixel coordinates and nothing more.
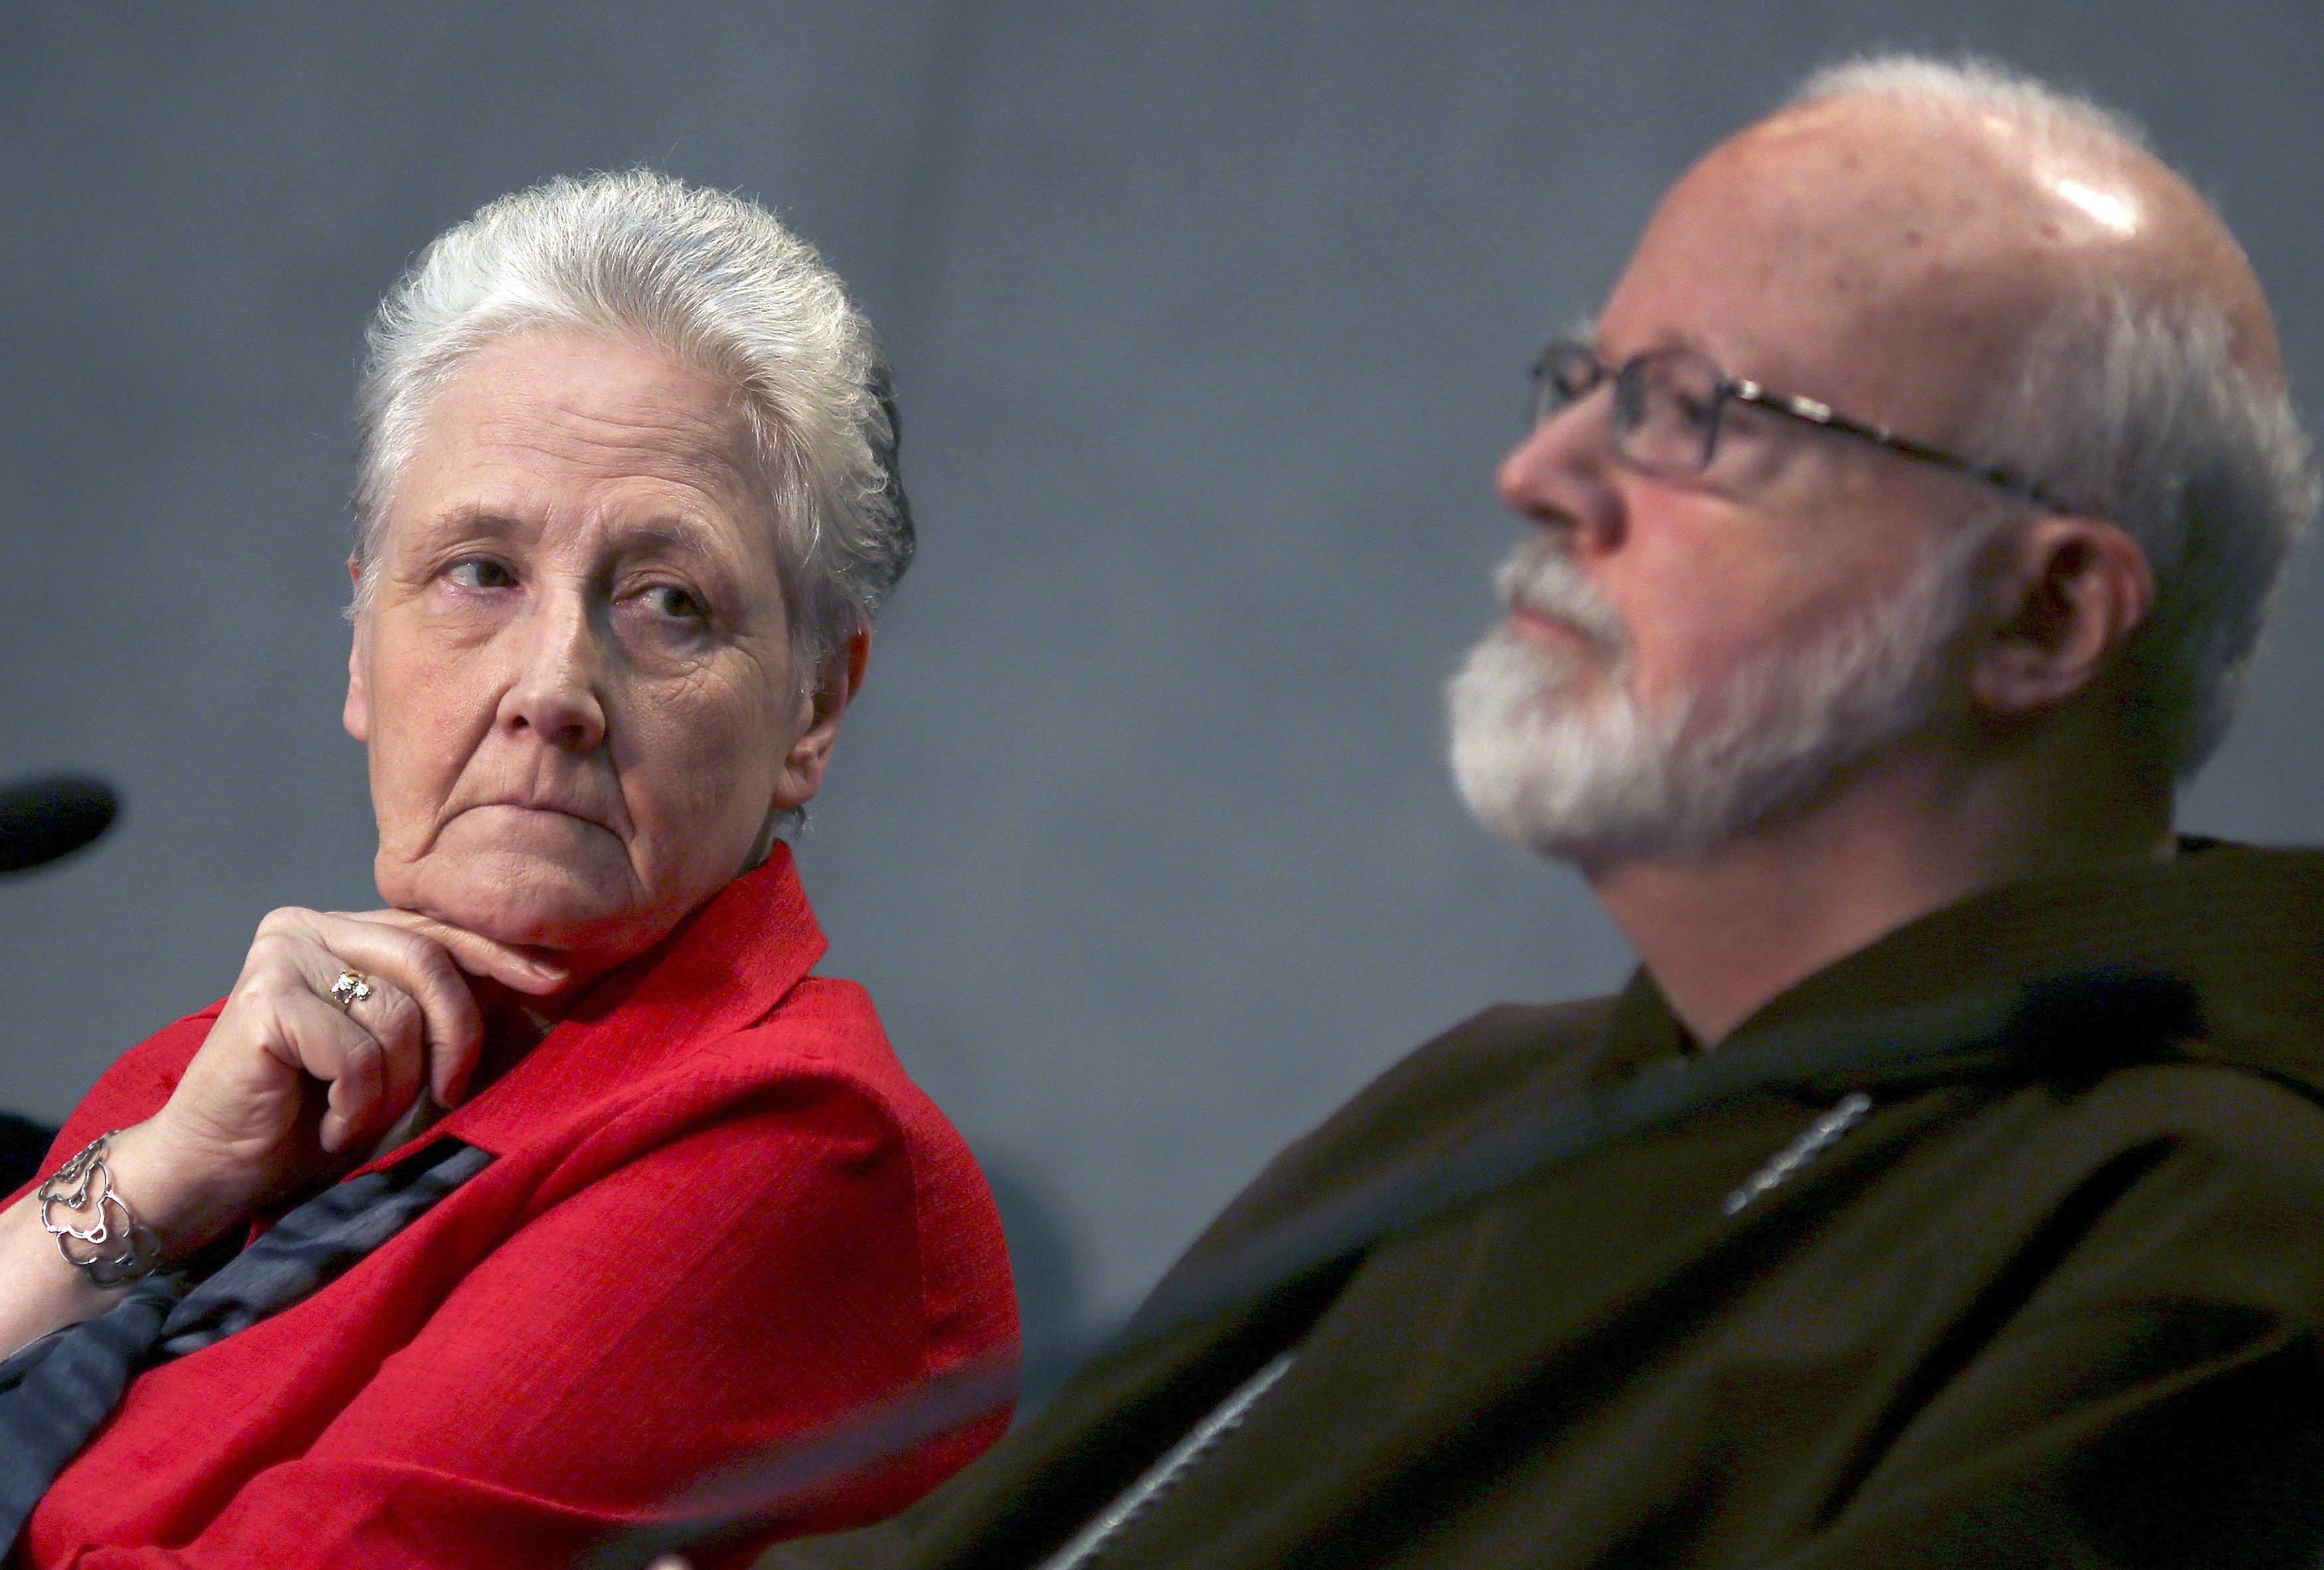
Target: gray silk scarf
(59, 1389)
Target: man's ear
(2072, 592)
(356, 716)
(810, 752)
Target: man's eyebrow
(1585, 330)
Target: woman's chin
(579, 916)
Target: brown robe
(2054, 1301)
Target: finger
(477, 954)
(485, 958)
(399, 1025)
(451, 1028)
(312, 1036)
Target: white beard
(1552, 750)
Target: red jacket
(720, 1215)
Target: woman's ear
(356, 716)
(2072, 592)
(810, 751)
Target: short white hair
(2135, 408)
(725, 288)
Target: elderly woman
(465, 1230)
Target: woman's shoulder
(817, 1066)
(816, 1080)
(824, 1030)
(822, 1060)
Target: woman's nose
(555, 693)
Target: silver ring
(352, 988)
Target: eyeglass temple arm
(1824, 414)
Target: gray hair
(720, 284)
(2135, 408)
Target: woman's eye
(670, 600)
(480, 573)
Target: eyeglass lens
(1666, 411)
(1667, 403)
(1566, 373)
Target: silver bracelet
(116, 1248)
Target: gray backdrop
(1210, 319)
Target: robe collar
(2240, 926)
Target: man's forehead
(1834, 252)
(1936, 228)
(1836, 206)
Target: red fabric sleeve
(134, 1089)
(742, 1283)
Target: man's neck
(1723, 934)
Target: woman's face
(573, 672)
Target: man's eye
(480, 573)
(1696, 410)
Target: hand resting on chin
(290, 1090)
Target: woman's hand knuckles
(429, 959)
(268, 986)
(285, 921)
(410, 961)
(399, 1018)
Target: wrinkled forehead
(567, 423)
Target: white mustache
(1540, 579)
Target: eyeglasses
(1669, 404)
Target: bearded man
(1948, 1186)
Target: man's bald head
(2030, 183)
(1994, 267)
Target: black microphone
(42, 819)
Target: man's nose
(556, 691)
(1560, 476)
